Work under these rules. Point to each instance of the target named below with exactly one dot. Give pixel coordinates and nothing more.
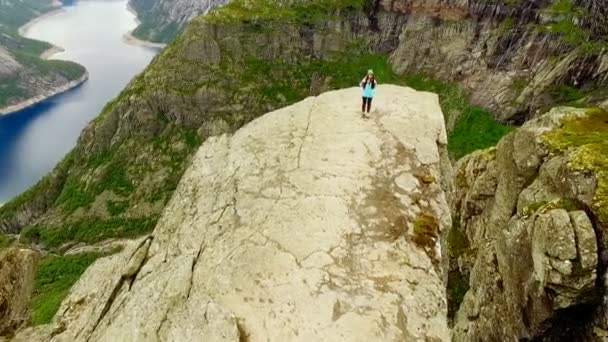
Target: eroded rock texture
(526, 245)
(17, 273)
(308, 224)
(508, 55)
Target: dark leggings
(367, 101)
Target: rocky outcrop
(310, 223)
(161, 21)
(513, 57)
(17, 273)
(527, 248)
(8, 64)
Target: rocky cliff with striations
(527, 251)
(309, 223)
(161, 21)
(514, 57)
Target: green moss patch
(587, 139)
(563, 203)
(458, 284)
(426, 231)
(567, 22)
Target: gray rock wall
(526, 245)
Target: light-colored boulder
(299, 227)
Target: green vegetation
(49, 186)
(54, 278)
(475, 129)
(89, 231)
(4, 241)
(506, 25)
(114, 178)
(116, 208)
(587, 139)
(543, 206)
(567, 19)
(458, 284)
(142, 169)
(426, 230)
(567, 95)
(154, 29)
(13, 87)
(298, 11)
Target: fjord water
(33, 140)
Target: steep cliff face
(527, 251)
(310, 223)
(161, 21)
(514, 57)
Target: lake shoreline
(54, 49)
(12, 109)
(57, 9)
(129, 38)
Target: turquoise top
(368, 91)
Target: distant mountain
(160, 21)
(24, 76)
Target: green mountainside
(161, 21)
(24, 74)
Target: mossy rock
(457, 246)
(426, 230)
(586, 139)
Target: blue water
(33, 140)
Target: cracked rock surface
(308, 224)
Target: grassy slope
(54, 278)
(14, 14)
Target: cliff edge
(310, 223)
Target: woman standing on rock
(369, 89)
